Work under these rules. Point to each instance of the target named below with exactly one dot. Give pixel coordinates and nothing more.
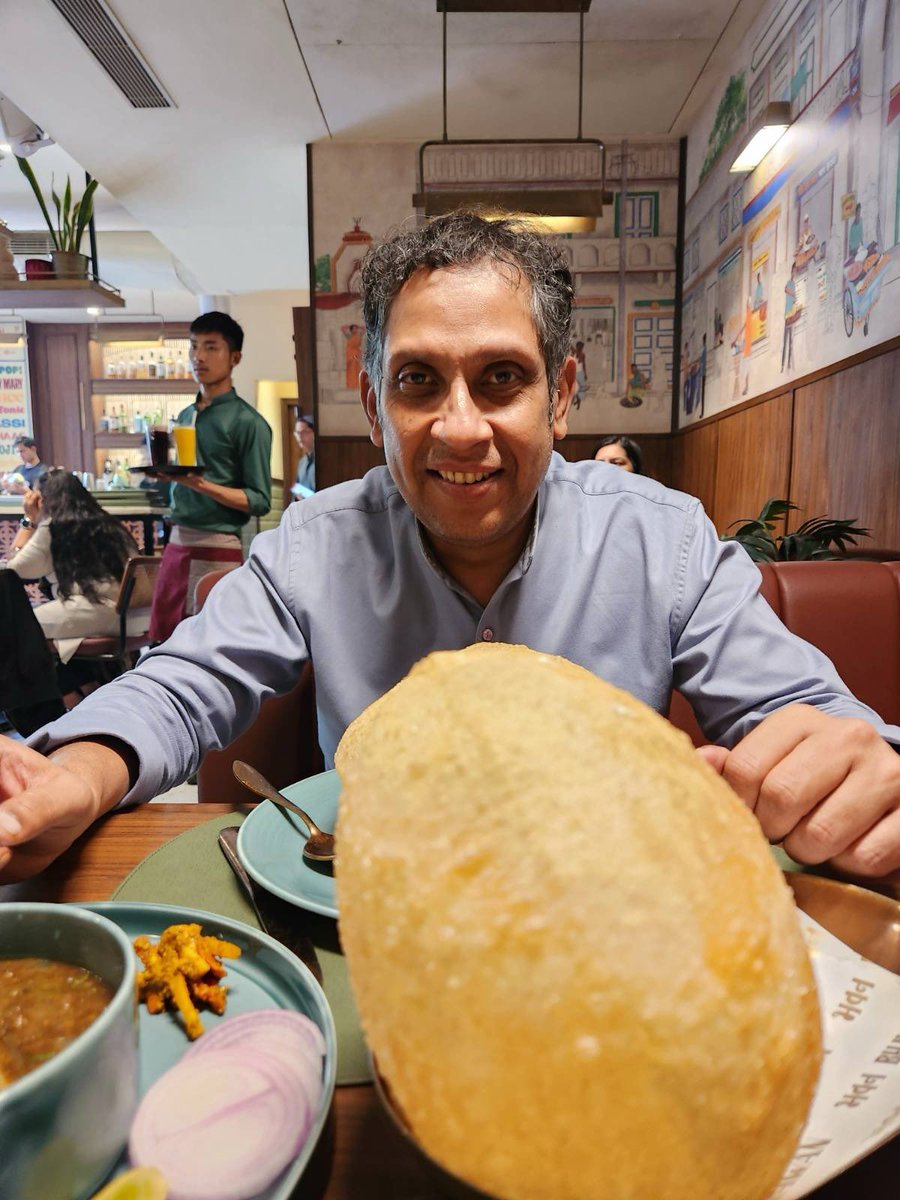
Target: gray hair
(466, 238)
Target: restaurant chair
(282, 742)
(133, 608)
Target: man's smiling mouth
(465, 476)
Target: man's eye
(502, 376)
(413, 379)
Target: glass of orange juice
(185, 445)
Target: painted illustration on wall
(804, 278)
(730, 117)
(623, 322)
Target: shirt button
(487, 635)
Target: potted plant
(72, 220)
(817, 538)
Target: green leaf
(84, 212)
(25, 168)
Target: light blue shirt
(620, 574)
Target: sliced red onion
(223, 1125)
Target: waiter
(234, 443)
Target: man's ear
(565, 390)
(236, 356)
(369, 399)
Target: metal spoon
(319, 845)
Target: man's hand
(45, 803)
(827, 788)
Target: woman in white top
(67, 538)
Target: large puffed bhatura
(577, 964)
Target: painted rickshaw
(863, 280)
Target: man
(476, 531)
(234, 444)
(305, 437)
(23, 478)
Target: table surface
(362, 1157)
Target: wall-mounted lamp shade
(775, 121)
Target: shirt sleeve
(255, 448)
(34, 560)
(731, 655)
(204, 686)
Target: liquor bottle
(151, 367)
(161, 371)
(111, 371)
(179, 367)
(142, 368)
(171, 367)
(131, 368)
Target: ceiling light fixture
(765, 132)
(558, 183)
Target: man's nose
(460, 418)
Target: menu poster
(15, 396)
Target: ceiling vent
(114, 50)
(30, 241)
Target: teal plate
(265, 976)
(273, 855)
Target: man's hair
(462, 239)
(219, 322)
(27, 442)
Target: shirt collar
(231, 394)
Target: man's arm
(231, 497)
(46, 803)
(815, 764)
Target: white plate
(272, 851)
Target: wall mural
(623, 331)
(791, 268)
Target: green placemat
(191, 871)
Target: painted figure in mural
(855, 236)
(747, 347)
(353, 335)
(701, 377)
(718, 329)
(791, 313)
(637, 381)
(759, 295)
(580, 373)
(807, 244)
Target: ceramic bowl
(63, 1126)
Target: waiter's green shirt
(234, 443)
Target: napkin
(191, 871)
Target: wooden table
(362, 1157)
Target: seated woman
(621, 451)
(67, 538)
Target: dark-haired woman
(622, 452)
(67, 538)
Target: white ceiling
(220, 180)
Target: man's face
(212, 359)
(28, 455)
(304, 437)
(464, 415)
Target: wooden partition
(831, 444)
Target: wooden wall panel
(60, 394)
(694, 464)
(846, 460)
(340, 458)
(752, 459)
